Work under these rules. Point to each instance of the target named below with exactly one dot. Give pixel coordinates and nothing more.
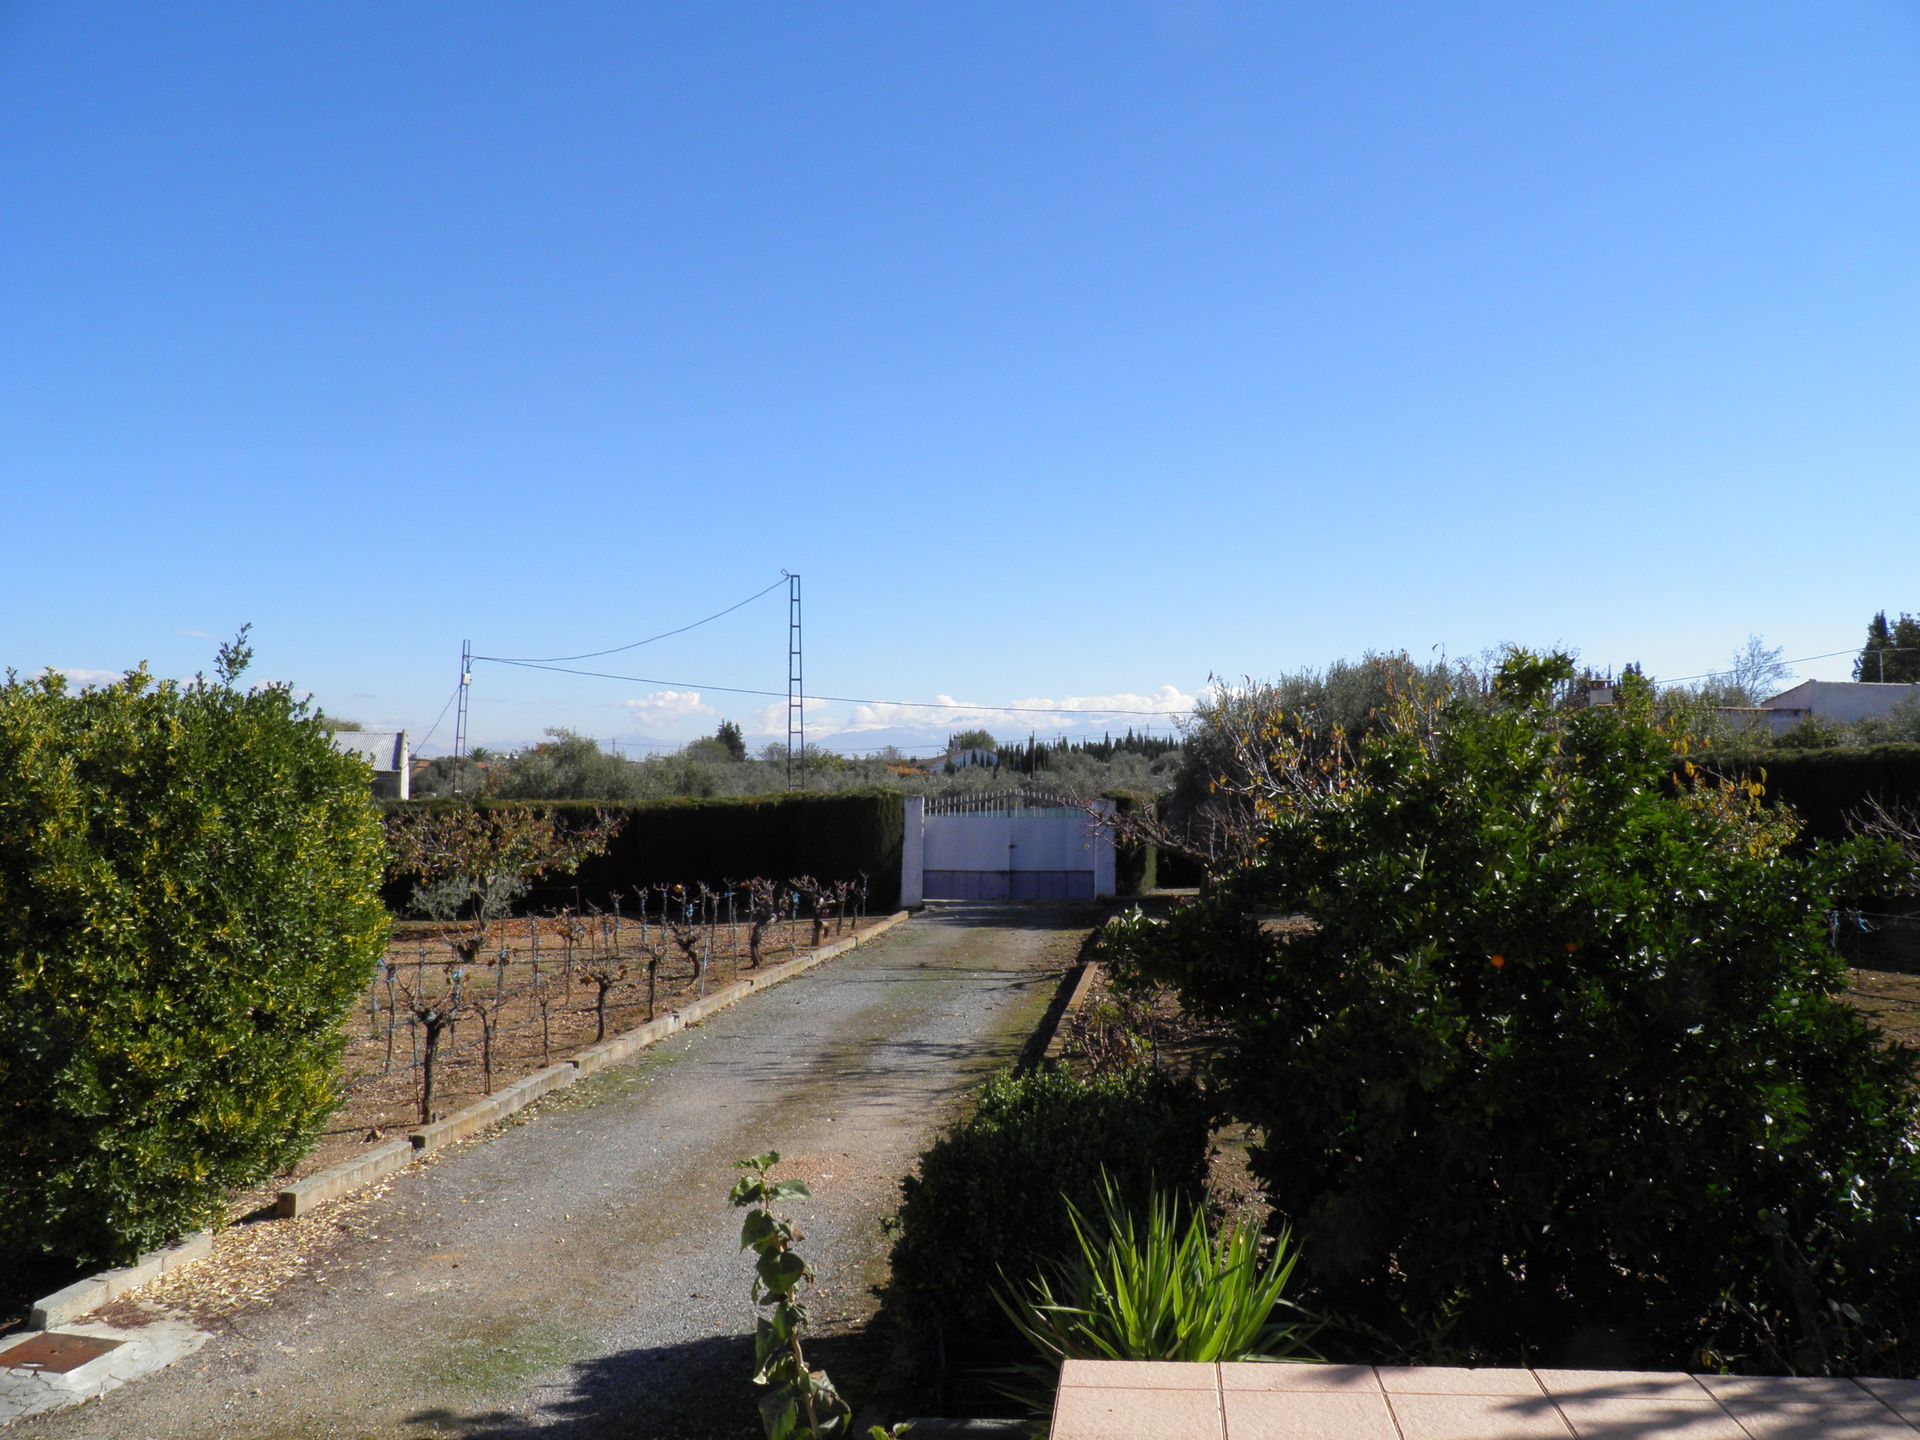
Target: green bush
(1828, 787)
(1164, 1286)
(989, 1191)
(1560, 1067)
(835, 837)
(189, 904)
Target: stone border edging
(65, 1306)
(89, 1294)
(1090, 971)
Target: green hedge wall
(1136, 867)
(1825, 786)
(832, 837)
(987, 1198)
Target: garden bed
(1885, 970)
(381, 1069)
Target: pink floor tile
(1620, 1384)
(1083, 1414)
(1478, 1417)
(1790, 1389)
(1650, 1417)
(1447, 1380)
(1901, 1392)
(1136, 1375)
(1819, 1420)
(1902, 1395)
(1307, 1415)
(1299, 1377)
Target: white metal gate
(1012, 845)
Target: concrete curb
(508, 1100)
(83, 1296)
(1090, 972)
(65, 1306)
(337, 1180)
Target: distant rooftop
(385, 750)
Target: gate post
(1105, 882)
(913, 844)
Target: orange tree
(1558, 1066)
(189, 904)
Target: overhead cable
(1728, 669)
(636, 644)
(838, 699)
(436, 724)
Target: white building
(386, 752)
(1835, 702)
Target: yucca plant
(1170, 1288)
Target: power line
(443, 715)
(635, 645)
(1728, 669)
(837, 699)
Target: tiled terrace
(1132, 1400)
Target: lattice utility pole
(796, 691)
(460, 710)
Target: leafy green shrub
(1559, 1057)
(716, 841)
(189, 903)
(797, 1396)
(989, 1190)
(1165, 1287)
(1827, 788)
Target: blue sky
(1070, 353)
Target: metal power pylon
(796, 693)
(460, 710)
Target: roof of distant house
(1808, 692)
(384, 750)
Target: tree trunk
(432, 1028)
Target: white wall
(1843, 702)
(1105, 881)
(912, 854)
(998, 844)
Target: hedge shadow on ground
(693, 1390)
(1032, 915)
(25, 1279)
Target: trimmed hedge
(832, 837)
(988, 1195)
(1136, 866)
(1826, 786)
(189, 905)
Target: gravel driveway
(579, 1275)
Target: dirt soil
(381, 1085)
(1885, 962)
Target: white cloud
(199, 635)
(1158, 710)
(918, 727)
(664, 707)
(86, 679)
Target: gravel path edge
(89, 1293)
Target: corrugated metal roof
(382, 749)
